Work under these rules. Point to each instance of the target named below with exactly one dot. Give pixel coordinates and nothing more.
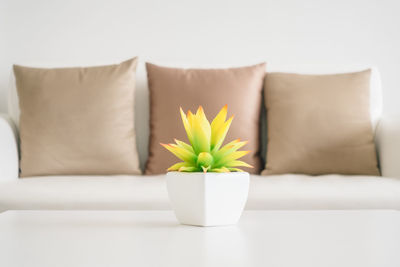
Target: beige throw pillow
(77, 120)
(319, 124)
(171, 88)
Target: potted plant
(207, 188)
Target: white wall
(341, 32)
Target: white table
(154, 238)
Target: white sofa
(149, 192)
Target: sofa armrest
(388, 145)
(8, 149)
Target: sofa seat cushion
(149, 192)
(85, 192)
(324, 192)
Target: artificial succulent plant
(205, 152)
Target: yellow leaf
(176, 166)
(238, 163)
(188, 169)
(230, 157)
(187, 126)
(220, 134)
(201, 130)
(184, 145)
(190, 117)
(228, 148)
(217, 123)
(181, 153)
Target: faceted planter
(208, 199)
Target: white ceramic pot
(208, 199)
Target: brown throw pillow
(319, 124)
(77, 120)
(171, 88)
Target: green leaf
(181, 153)
(204, 159)
(178, 165)
(188, 169)
(184, 145)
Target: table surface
(154, 238)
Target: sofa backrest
(142, 98)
